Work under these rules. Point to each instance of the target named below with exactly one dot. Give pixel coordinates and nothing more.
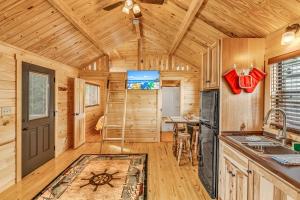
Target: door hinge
(54, 113)
(54, 79)
(54, 147)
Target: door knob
(25, 129)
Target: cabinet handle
(233, 175)
(207, 81)
(249, 171)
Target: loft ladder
(115, 111)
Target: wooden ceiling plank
(67, 12)
(117, 53)
(189, 17)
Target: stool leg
(196, 142)
(180, 151)
(189, 149)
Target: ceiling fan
(131, 4)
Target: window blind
(285, 92)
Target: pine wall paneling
(10, 96)
(244, 108)
(143, 108)
(274, 49)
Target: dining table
(176, 120)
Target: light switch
(6, 111)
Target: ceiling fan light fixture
(126, 10)
(129, 4)
(136, 9)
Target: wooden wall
(10, 65)
(244, 108)
(160, 62)
(274, 49)
(92, 114)
(190, 82)
(143, 108)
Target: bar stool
(177, 128)
(183, 146)
(195, 143)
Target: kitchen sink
(270, 150)
(263, 145)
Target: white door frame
(181, 93)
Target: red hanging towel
(257, 75)
(232, 79)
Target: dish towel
(291, 159)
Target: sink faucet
(281, 133)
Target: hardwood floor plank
(166, 180)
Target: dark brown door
(37, 116)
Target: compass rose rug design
(107, 177)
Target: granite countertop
(290, 174)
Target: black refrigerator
(209, 143)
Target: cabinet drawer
(236, 158)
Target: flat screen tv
(143, 80)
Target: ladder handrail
(124, 120)
(123, 125)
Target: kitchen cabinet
(211, 67)
(236, 182)
(240, 178)
(233, 177)
(264, 185)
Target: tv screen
(143, 80)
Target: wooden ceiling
(76, 32)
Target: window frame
(272, 64)
(98, 95)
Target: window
(285, 92)
(38, 95)
(92, 93)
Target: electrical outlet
(5, 111)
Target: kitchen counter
(290, 174)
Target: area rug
(109, 177)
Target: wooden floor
(165, 179)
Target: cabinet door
(236, 183)
(264, 185)
(230, 183)
(206, 71)
(214, 60)
(241, 180)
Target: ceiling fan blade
(153, 1)
(113, 6)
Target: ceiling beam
(221, 32)
(140, 54)
(189, 17)
(137, 24)
(68, 13)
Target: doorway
(171, 101)
(38, 116)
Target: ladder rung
(121, 90)
(116, 91)
(116, 102)
(116, 81)
(114, 126)
(114, 113)
(112, 139)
